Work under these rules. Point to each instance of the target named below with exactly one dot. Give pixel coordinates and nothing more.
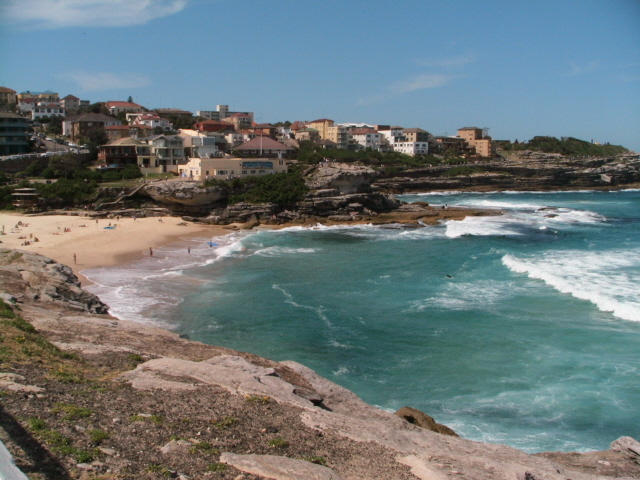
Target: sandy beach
(82, 242)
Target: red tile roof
(362, 131)
(6, 90)
(322, 120)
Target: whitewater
(522, 328)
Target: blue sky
(562, 68)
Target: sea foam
(605, 279)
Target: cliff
(86, 395)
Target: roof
(264, 143)
(362, 131)
(71, 97)
(6, 90)
(469, 128)
(239, 115)
(117, 103)
(414, 130)
(95, 117)
(117, 127)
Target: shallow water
(521, 329)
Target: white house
(224, 168)
(45, 110)
(411, 148)
(366, 138)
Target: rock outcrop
(346, 178)
(29, 276)
(526, 171)
(421, 419)
(185, 196)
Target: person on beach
(189, 250)
(150, 252)
(75, 258)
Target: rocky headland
(86, 395)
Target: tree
(130, 99)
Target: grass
(98, 436)
(317, 460)
(216, 467)
(71, 412)
(226, 422)
(204, 447)
(278, 442)
(59, 443)
(259, 399)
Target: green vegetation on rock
(565, 145)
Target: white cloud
(90, 82)
(86, 13)
(575, 69)
(457, 61)
(421, 82)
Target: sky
(519, 68)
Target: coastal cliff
(87, 395)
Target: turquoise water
(521, 329)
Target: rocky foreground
(85, 395)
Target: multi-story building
(8, 97)
(239, 120)
(47, 97)
(339, 135)
(220, 113)
(14, 133)
(152, 121)
(307, 135)
(70, 103)
(47, 110)
(477, 140)
(212, 126)
(82, 126)
(415, 135)
(322, 125)
(120, 152)
(411, 148)
(199, 169)
(197, 144)
(168, 151)
(366, 138)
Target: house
(8, 97)
(174, 113)
(47, 110)
(15, 131)
(453, 146)
(263, 147)
(339, 135)
(82, 126)
(152, 121)
(200, 169)
(234, 139)
(115, 107)
(120, 152)
(415, 135)
(411, 148)
(477, 139)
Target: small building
(47, 96)
(307, 135)
(263, 147)
(366, 138)
(322, 126)
(212, 126)
(239, 120)
(70, 103)
(201, 169)
(26, 198)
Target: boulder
(421, 419)
(278, 468)
(346, 178)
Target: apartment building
(322, 125)
(115, 107)
(8, 97)
(476, 139)
(366, 138)
(14, 133)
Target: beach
(83, 242)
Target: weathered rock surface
(278, 468)
(421, 419)
(526, 171)
(29, 276)
(346, 178)
(185, 196)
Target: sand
(82, 242)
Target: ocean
(522, 329)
